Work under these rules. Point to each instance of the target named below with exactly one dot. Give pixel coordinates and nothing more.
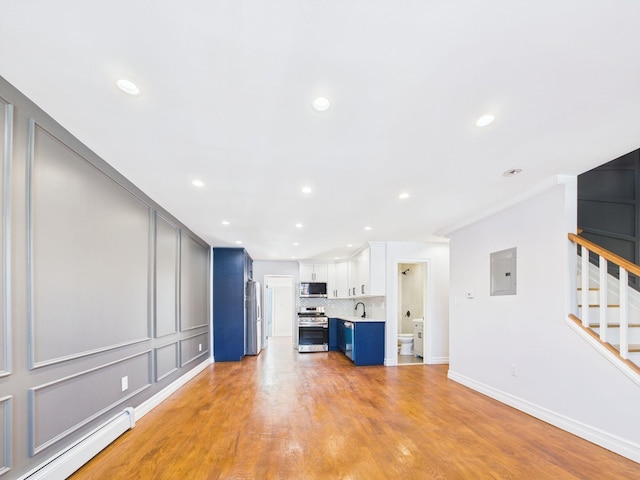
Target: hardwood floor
(284, 415)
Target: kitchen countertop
(358, 319)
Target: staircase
(608, 310)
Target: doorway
(279, 305)
(412, 283)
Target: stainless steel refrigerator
(253, 328)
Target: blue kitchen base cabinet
(362, 342)
(333, 335)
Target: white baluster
(624, 313)
(585, 287)
(603, 299)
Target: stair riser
(635, 358)
(613, 335)
(594, 297)
(613, 315)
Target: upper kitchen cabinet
(332, 292)
(363, 275)
(367, 271)
(313, 272)
(341, 284)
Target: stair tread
(614, 325)
(633, 348)
(591, 289)
(595, 305)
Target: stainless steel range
(313, 330)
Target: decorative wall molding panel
(167, 360)
(194, 265)
(110, 236)
(193, 347)
(59, 408)
(6, 437)
(6, 149)
(167, 256)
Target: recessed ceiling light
(224, 222)
(128, 87)
(512, 172)
(367, 228)
(299, 225)
(349, 244)
(306, 190)
(239, 242)
(295, 244)
(293, 257)
(197, 183)
(336, 258)
(403, 195)
(485, 120)
(321, 104)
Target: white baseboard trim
(64, 463)
(391, 362)
(438, 361)
(148, 405)
(604, 439)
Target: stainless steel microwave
(313, 289)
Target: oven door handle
(312, 324)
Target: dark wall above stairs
(609, 207)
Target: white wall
(285, 269)
(262, 268)
(436, 296)
(561, 379)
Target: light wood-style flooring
(284, 415)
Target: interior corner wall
(437, 298)
(558, 376)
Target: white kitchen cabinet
(363, 275)
(342, 280)
(331, 281)
(313, 272)
(367, 271)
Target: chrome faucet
(364, 312)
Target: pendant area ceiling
(226, 98)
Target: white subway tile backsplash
(375, 306)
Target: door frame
(426, 306)
(294, 335)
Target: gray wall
(98, 283)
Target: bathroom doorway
(411, 312)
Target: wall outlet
(199, 347)
(125, 383)
(514, 370)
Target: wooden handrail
(609, 256)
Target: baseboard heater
(68, 461)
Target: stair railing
(626, 267)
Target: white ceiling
(227, 87)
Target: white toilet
(406, 343)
